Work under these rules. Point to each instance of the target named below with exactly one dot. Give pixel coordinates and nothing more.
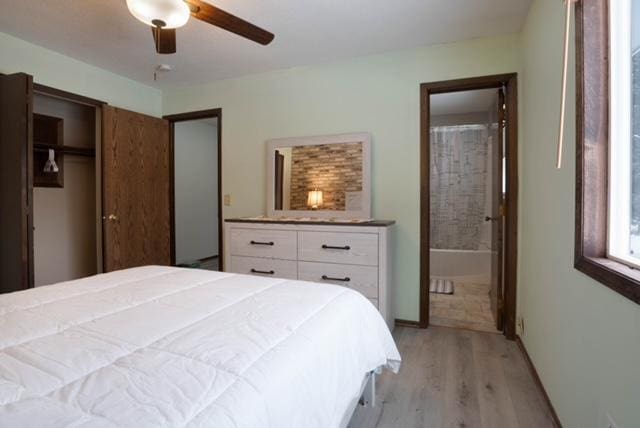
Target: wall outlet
(520, 326)
(610, 422)
(227, 200)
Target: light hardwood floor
(456, 378)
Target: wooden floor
(456, 378)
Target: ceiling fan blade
(218, 17)
(165, 40)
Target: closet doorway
(67, 233)
(469, 204)
(196, 159)
(50, 198)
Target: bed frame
(366, 398)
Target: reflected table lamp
(315, 199)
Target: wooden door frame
(510, 232)
(186, 117)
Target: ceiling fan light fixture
(172, 13)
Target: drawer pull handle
(263, 272)
(331, 247)
(262, 243)
(328, 278)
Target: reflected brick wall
(332, 168)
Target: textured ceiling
(103, 33)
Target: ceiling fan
(164, 16)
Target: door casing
(510, 235)
(185, 117)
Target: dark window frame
(592, 152)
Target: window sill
(619, 277)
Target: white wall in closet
(196, 189)
(65, 226)
(64, 219)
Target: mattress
(160, 346)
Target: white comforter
(158, 346)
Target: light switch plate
(227, 200)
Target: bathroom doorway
(467, 193)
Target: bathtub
(461, 265)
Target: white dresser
(357, 256)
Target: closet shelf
(67, 150)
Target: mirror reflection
(319, 177)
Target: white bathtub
(461, 265)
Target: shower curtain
(459, 174)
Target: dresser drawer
(346, 248)
(279, 244)
(360, 278)
(264, 267)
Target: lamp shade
(172, 13)
(315, 199)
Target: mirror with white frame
(320, 177)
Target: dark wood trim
(425, 205)
(28, 183)
(468, 84)
(194, 115)
(592, 153)
(407, 323)
(172, 191)
(538, 382)
(184, 117)
(510, 82)
(617, 276)
(510, 234)
(68, 96)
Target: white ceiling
(481, 100)
(103, 33)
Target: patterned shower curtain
(459, 174)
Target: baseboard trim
(407, 323)
(536, 379)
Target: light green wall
(62, 72)
(378, 94)
(583, 338)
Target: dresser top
(319, 222)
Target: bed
(160, 346)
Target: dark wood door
(497, 214)
(16, 182)
(136, 190)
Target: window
(624, 157)
(608, 143)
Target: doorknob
(490, 218)
(112, 217)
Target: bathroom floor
(469, 307)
